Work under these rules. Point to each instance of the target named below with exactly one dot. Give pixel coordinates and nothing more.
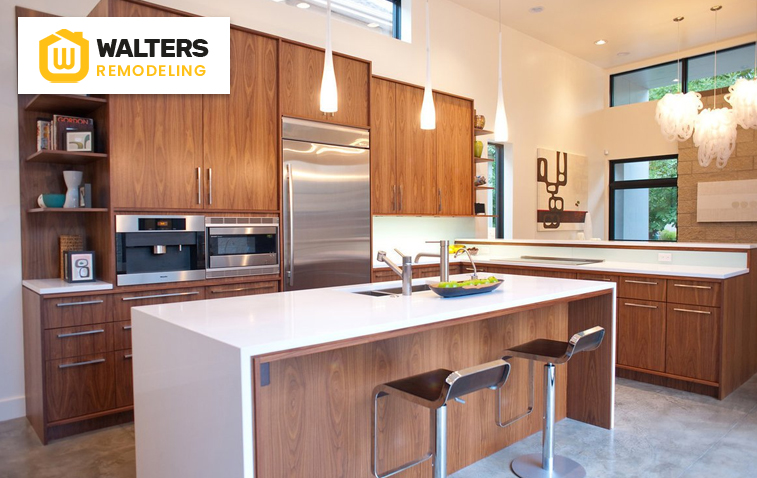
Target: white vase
(73, 181)
(588, 232)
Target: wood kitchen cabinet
(240, 130)
(692, 342)
(301, 73)
(641, 334)
(383, 147)
(239, 290)
(454, 142)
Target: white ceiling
(644, 28)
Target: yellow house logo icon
(64, 57)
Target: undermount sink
(391, 291)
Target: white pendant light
(428, 112)
(329, 99)
(677, 112)
(743, 98)
(715, 130)
(501, 131)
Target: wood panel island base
(280, 385)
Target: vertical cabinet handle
(290, 181)
(199, 186)
(210, 186)
(440, 199)
(394, 197)
(400, 205)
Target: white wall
(553, 100)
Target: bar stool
(552, 352)
(433, 390)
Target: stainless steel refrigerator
(326, 208)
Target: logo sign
(124, 55)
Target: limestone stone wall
(741, 165)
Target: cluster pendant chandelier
(743, 98)
(428, 111)
(501, 132)
(329, 100)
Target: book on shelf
(43, 134)
(65, 127)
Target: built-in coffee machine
(154, 249)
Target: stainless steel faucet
(406, 272)
(465, 250)
(443, 258)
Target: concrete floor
(659, 433)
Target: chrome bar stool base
(529, 466)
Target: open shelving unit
(65, 157)
(69, 210)
(481, 132)
(65, 104)
(482, 160)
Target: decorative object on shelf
(79, 266)
(501, 132)
(43, 135)
(85, 195)
(62, 125)
(715, 129)
(677, 112)
(480, 208)
(428, 111)
(73, 180)
(51, 200)
(479, 122)
(68, 243)
(588, 226)
(480, 180)
(562, 192)
(478, 148)
(329, 98)
(76, 141)
(727, 201)
(473, 250)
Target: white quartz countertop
(270, 323)
(59, 286)
(700, 272)
(618, 244)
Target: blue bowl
(465, 290)
(54, 200)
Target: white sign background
(214, 30)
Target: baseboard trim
(10, 408)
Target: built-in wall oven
(155, 249)
(242, 246)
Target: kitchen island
(280, 384)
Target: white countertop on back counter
(269, 323)
(607, 267)
(613, 244)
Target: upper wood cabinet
(301, 73)
(384, 147)
(240, 130)
(454, 153)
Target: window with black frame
(644, 199)
(382, 16)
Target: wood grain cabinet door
(239, 290)
(692, 342)
(416, 156)
(240, 130)
(79, 386)
(124, 379)
(383, 147)
(641, 334)
(454, 155)
(156, 151)
(301, 73)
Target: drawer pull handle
(688, 286)
(127, 327)
(692, 311)
(127, 356)
(238, 289)
(644, 306)
(158, 296)
(79, 364)
(640, 282)
(88, 302)
(77, 334)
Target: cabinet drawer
(645, 288)
(79, 386)
(124, 379)
(122, 303)
(75, 311)
(641, 334)
(597, 277)
(122, 335)
(694, 292)
(238, 290)
(74, 341)
(692, 342)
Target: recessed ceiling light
(538, 9)
(303, 5)
(600, 42)
(624, 53)
(373, 25)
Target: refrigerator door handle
(290, 271)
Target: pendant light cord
(715, 72)
(499, 20)
(428, 45)
(678, 68)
